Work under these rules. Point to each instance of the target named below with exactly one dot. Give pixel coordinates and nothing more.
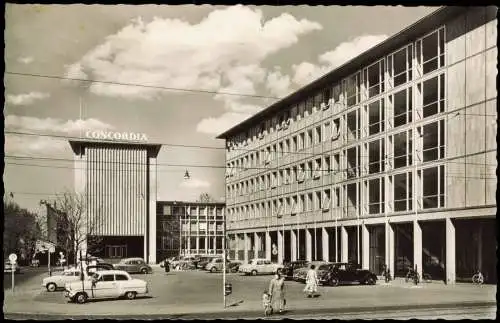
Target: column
(268, 245)
(480, 248)
(293, 244)
(257, 244)
(245, 242)
(197, 245)
(344, 244)
(365, 256)
(450, 251)
(280, 247)
(389, 247)
(325, 244)
(308, 245)
(214, 244)
(417, 247)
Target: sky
(200, 54)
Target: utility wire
(140, 85)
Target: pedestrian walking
(266, 303)
(311, 282)
(167, 266)
(277, 292)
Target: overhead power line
(141, 85)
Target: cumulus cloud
(26, 98)
(307, 72)
(278, 84)
(194, 183)
(217, 125)
(43, 144)
(25, 59)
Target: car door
(105, 286)
(122, 282)
(268, 267)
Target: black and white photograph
(278, 161)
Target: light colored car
(300, 274)
(106, 284)
(134, 265)
(259, 266)
(61, 278)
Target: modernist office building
(118, 180)
(198, 226)
(388, 159)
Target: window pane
(374, 196)
(430, 141)
(374, 118)
(400, 108)
(430, 97)
(430, 187)
(430, 47)
(400, 151)
(375, 151)
(400, 192)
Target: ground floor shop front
(446, 248)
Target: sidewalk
(388, 297)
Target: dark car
(133, 265)
(347, 273)
(288, 269)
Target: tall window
(376, 117)
(353, 125)
(433, 140)
(430, 51)
(402, 149)
(433, 96)
(376, 196)
(376, 153)
(400, 66)
(433, 187)
(317, 135)
(352, 199)
(293, 144)
(402, 102)
(302, 138)
(352, 89)
(402, 192)
(374, 78)
(327, 131)
(336, 92)
(353, 161)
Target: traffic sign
(12, 258)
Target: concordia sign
(110, 135)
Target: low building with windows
(388, 159)
(189, 228)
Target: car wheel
(254, 272)
(144, 271)
(130, 295)
(370, 281)
(213, 270)
(334, 282)
(51, 287)
(81, 298)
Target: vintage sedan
(134, 265)
(290, 267)
(106, 284)
(216, 265)
(260, 266)
(60, 279)
(300, 274)
(347, 273)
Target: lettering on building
(111, 135)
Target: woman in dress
(277, 292)
(311, 282)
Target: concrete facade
(401, 138)
(118, 181)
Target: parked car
(106, 284)
(259, 266)
(300, 274)
(133, 265)
(8, 268)
(216, 265)
(60, 279)
(347, 273)
(204, 261)
(182, 261)
(291, 266)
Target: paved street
(193, 294)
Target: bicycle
(478, 278)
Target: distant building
(388, 159)
(189, 228)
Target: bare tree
(206, 198)
(75, 224)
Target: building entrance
(377, 248)
(403, 248)
(116, 251)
